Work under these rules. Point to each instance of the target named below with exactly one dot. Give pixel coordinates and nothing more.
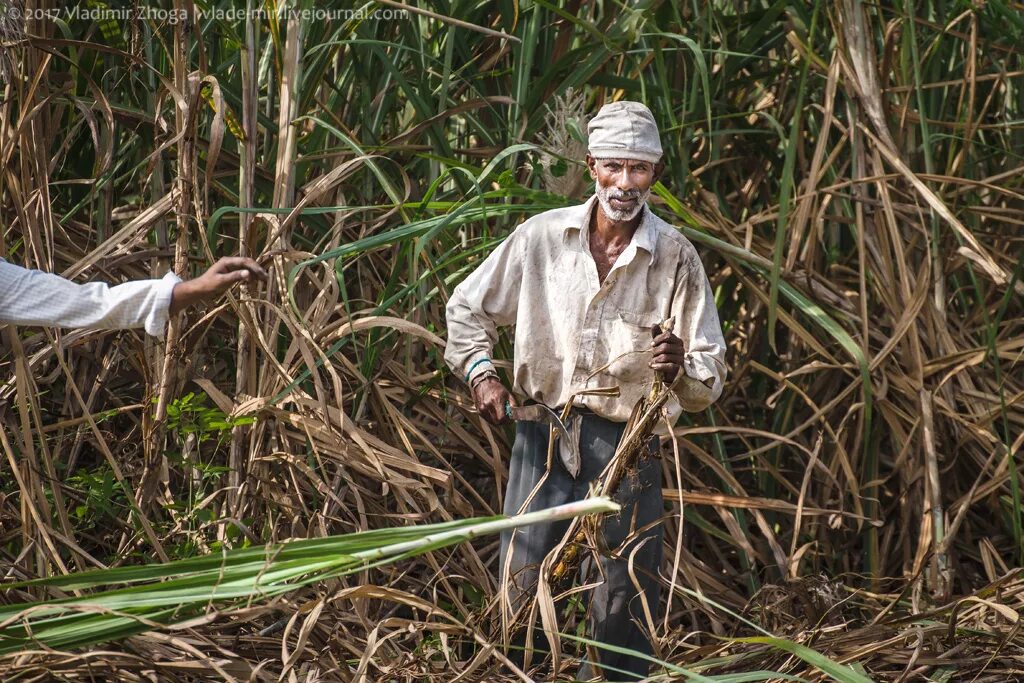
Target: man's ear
(659, 168)
(592, 165)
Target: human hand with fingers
(491, 397)
(226, 272)
(668, 354)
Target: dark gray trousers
(615, 611)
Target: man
(584, 286)
(32, 297)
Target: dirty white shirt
(33, 297)
(543, 279)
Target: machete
(538, 412)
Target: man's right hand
(215, 281)
(490, 397)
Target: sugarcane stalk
(174, 593)
(631, 448)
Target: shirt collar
(579, 220)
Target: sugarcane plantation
(511, 341)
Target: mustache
(628, 194)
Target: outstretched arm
(33, 297)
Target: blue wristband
(473, 366)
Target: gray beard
(604, 195)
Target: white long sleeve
(697, 324)
(573, 332)
(486, 299)
(33, 297)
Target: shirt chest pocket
(628, 334)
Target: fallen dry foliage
(851, 174)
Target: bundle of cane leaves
(632, 447)
(203, 588)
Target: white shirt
(543, 279)
(33, 297)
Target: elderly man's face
(623, 185)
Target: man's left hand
(668, 355)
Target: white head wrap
(624, 130)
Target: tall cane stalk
(632, 447)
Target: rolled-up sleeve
(33, 297)
(697, 324)
(487, 299)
